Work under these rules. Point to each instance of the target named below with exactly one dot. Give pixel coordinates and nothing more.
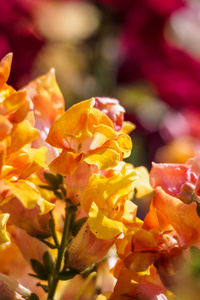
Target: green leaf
(46, 187)
(198, 208)
(59, 195)
(71, 209)
(34, 297)
(48, 262)
(52, 180)
(42, 236)
(66, 275)
(50, 245)
(45, 287)
(36, 276)
(195, 264)
(60, 179)
(77, 225)
(39, 269)
(195, 253)
(51, 225)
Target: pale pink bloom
(112, 109)
(10, 289)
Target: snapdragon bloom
(17, 159)
(171, 226)
(85, 134)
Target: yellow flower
(107, 200)
(84, 133)
(17, 159)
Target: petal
(25, 191)
(5, 65)
(101, 226)
(37, 157)
(105, 192)
(46, 96)
(14, 101)
(170, 177)
(11, 289)
(142, 183)
(173, 213)
(5, 127)
(21, 135)
(105, 158)
(3, 235)
(71, 121)
(125, 144)
(140, 261)
(65, 164)
(86, 249)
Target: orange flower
(47, 104)
(17, 159)
(86, 249)
(169, 229)
(179, 180)
(86, 134)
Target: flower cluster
(69, 201)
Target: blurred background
(146, 53)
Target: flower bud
(10, 289)
(86, 249)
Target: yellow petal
(3, 234)
(142, 182)
(101, 226)
(71, 122)
(105, 158)
(21, 135)
(25, 191)
(45, 206)
(37, 157)
(14, 101)
(125, 144)
(5, 65)
(127, 127)
(5, 127)
(109, 132)
(46, 96)
(2, 156)
(65, 164)
(105, 192)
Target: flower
(47, 104)
(86, 134)
(112, 109)
(10, 289)
(179, 180)
(17, 159)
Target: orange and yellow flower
(85, 134)
(17, 159)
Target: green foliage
(66, 275)
(48, 262)
(43, 286)
(198, 208)
(53, 180)
(39, 269)
(195, 263)
(77, 225)
(34, 297)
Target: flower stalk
(60, 256)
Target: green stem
(54, 235)
(92, 275)
(61, 251)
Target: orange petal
(5, 65)
(65, 164)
